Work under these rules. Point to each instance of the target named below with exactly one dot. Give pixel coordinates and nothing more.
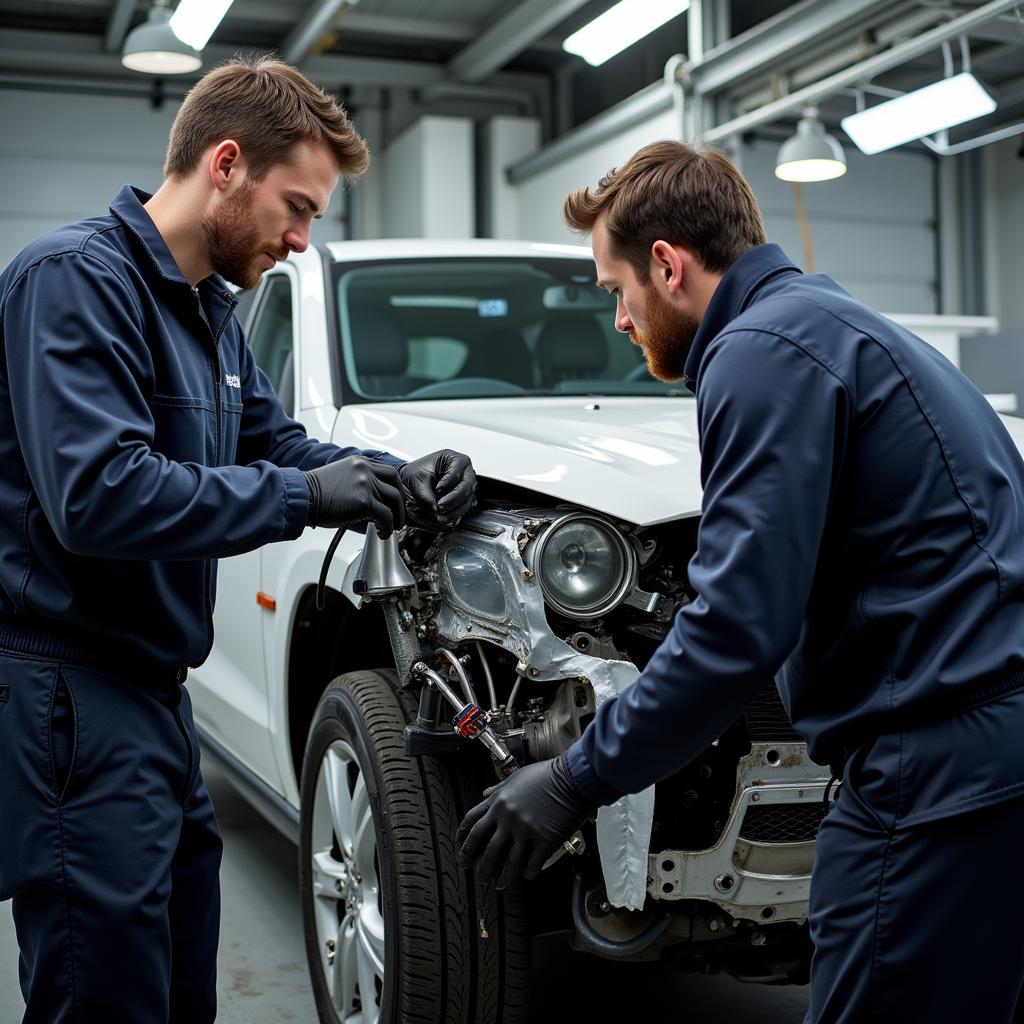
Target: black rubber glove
(438, 489)
(356, 490)
(522, 822)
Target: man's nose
(297, 239)
(623, 321)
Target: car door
(230, 690)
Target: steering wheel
(462, 387)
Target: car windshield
(483, 328)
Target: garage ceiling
(478, 49)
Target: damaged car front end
(514, 628)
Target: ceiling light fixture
(154, 49)
(811, 154)
(621, 26)
(940, 105)
(195, 20)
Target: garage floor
(262, 965)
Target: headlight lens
(586, 567)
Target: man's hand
(356, 490)
(522, 822)
(438, 489)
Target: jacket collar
(128, 209)
(736, 291)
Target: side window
(271, 337)
(245, 300)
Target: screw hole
(768, 913)
(668, 865)
(668, 887)
(773, 757)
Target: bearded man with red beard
(139, 442)
(861, 540)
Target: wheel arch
(323, 645)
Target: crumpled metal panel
(624, 828)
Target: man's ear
(669, 263)
(226, 165)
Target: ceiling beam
(117, 25)
(309, 29)
(524, 25)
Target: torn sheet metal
(521, 627)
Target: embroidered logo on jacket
(233, 380)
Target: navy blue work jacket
(861, 540)
(139, 442)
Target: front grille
(782, 823)
(767, 720)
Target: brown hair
(267, 107)
(668, 190)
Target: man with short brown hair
(862, 541)
(139, 442)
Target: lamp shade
(153, 48)
(811, 154)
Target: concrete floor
(262, 966)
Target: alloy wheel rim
(347, 902)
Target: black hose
(321, 587)
(611, 947)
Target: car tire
(385, 905)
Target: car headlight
(586, 567)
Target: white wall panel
(540, 197)
(1006, 226)
(429, 180)
(873, 229)
(64, 156)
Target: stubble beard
(667, 339)
(233, 242)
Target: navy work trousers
(108, 846)
(917, 924)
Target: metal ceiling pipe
(862, 72)
(509, 36)
(838, 59)
(308, 30)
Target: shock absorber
(470, 720)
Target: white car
(551, 596)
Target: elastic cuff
(586, 779)
(296, 502)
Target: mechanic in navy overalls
(862, 540)
(138, 443)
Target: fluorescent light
(921, 112)
(621, 26)
(194, 20)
